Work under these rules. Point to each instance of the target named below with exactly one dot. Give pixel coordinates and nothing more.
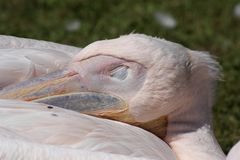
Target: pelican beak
(63, 89)
(66, 90)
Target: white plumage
(234, 153)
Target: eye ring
(119, 72)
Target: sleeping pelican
(146, 82)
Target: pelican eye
(120, 72)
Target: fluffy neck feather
(190, 132)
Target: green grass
(202, 25)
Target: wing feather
(43, 125)
(10, 42)
(22, 59)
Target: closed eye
(120, 72)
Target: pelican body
(160, 92)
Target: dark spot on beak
(55, 115)
(50, 107)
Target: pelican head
(137, 79)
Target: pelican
(153, 84)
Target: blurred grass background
(201, 25)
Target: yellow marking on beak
(157, 126)
(27, 92)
